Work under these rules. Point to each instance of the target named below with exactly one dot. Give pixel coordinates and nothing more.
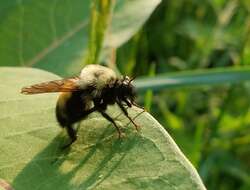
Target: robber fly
(95, 89)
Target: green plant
(55, 40)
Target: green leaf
(53, 35)
(128, 18)
(31, 155)
(46, 34)
(194, 78)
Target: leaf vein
(56, 43)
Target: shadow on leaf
(83, 165)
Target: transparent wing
(63, 85)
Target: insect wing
(63, 85)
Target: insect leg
(126, 114)
(127, 102)
(138, 106)
(72, 134)
(105, 115)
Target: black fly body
(95, 89)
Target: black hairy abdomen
(70, 109)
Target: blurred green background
(210, 124)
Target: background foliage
(209, 123)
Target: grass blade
(194, 78)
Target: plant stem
(101, 11)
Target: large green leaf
(31, 155)
(53, 35)
(45, 34)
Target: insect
(95, 89)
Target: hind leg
(106, 116)
(70, 130)
(72, 135)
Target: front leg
(126, 114)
